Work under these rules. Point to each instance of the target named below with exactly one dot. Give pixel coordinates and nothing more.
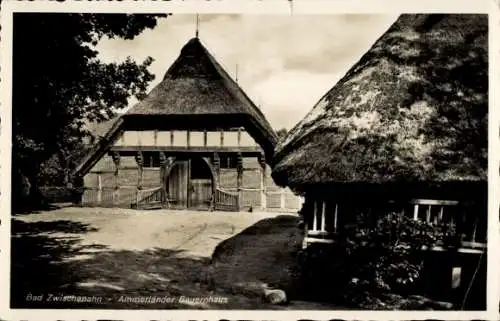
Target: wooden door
(178, 183)
(200, 188)
(201, 193)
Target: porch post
(163, 164)
(216, 164)
(140, 162)
(168, 168)
(116, 192)
(263, 198)
(239, 180)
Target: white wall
(180, 138)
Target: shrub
(370, 258)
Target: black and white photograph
(220, 161)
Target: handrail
(226, 191)
(150, 189)
(153, 196)
(224, 200)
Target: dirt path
(117, 254)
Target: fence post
(99, 189)
(116, 161)
(137, 198)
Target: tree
(59, 84)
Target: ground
(115, 255)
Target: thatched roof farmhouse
(413, 109)
(195, 141)
(404, 132)
(194, 90)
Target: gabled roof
(196, 84)
(413, 109)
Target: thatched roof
(196, 84)
(99, 129)
(413, 109)
(194, 89)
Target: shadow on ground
(47, 265)
(262, 253)
(264, 256)
(51, 258)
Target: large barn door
(178, 183)
(201, 180)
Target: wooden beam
(139, 158)
(460, 250)
(318, 233)
(306, 230)
(116, 161)
(315, 240)
(474, 245)
(282, 199)
(474, 230)
(99, 149)
(433, 202)
(335, 217)
(239, 178)
(216, 164)
(415, 212)
(456, 273)
(250, 150)
(315, 218)
(323, 216)
(99, 189)
(108, 188)
(263, 196)
(116, 196)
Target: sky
(285, 64)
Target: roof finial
(197, 25)
(236, 76)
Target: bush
(370, 258)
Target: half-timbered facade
(196, 141)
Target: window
(151, 159)
(469, 221)
(228, 161)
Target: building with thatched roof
(196, 141)
(405, 130)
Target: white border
(251, 7)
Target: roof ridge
(224, 73)
(226, 77)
